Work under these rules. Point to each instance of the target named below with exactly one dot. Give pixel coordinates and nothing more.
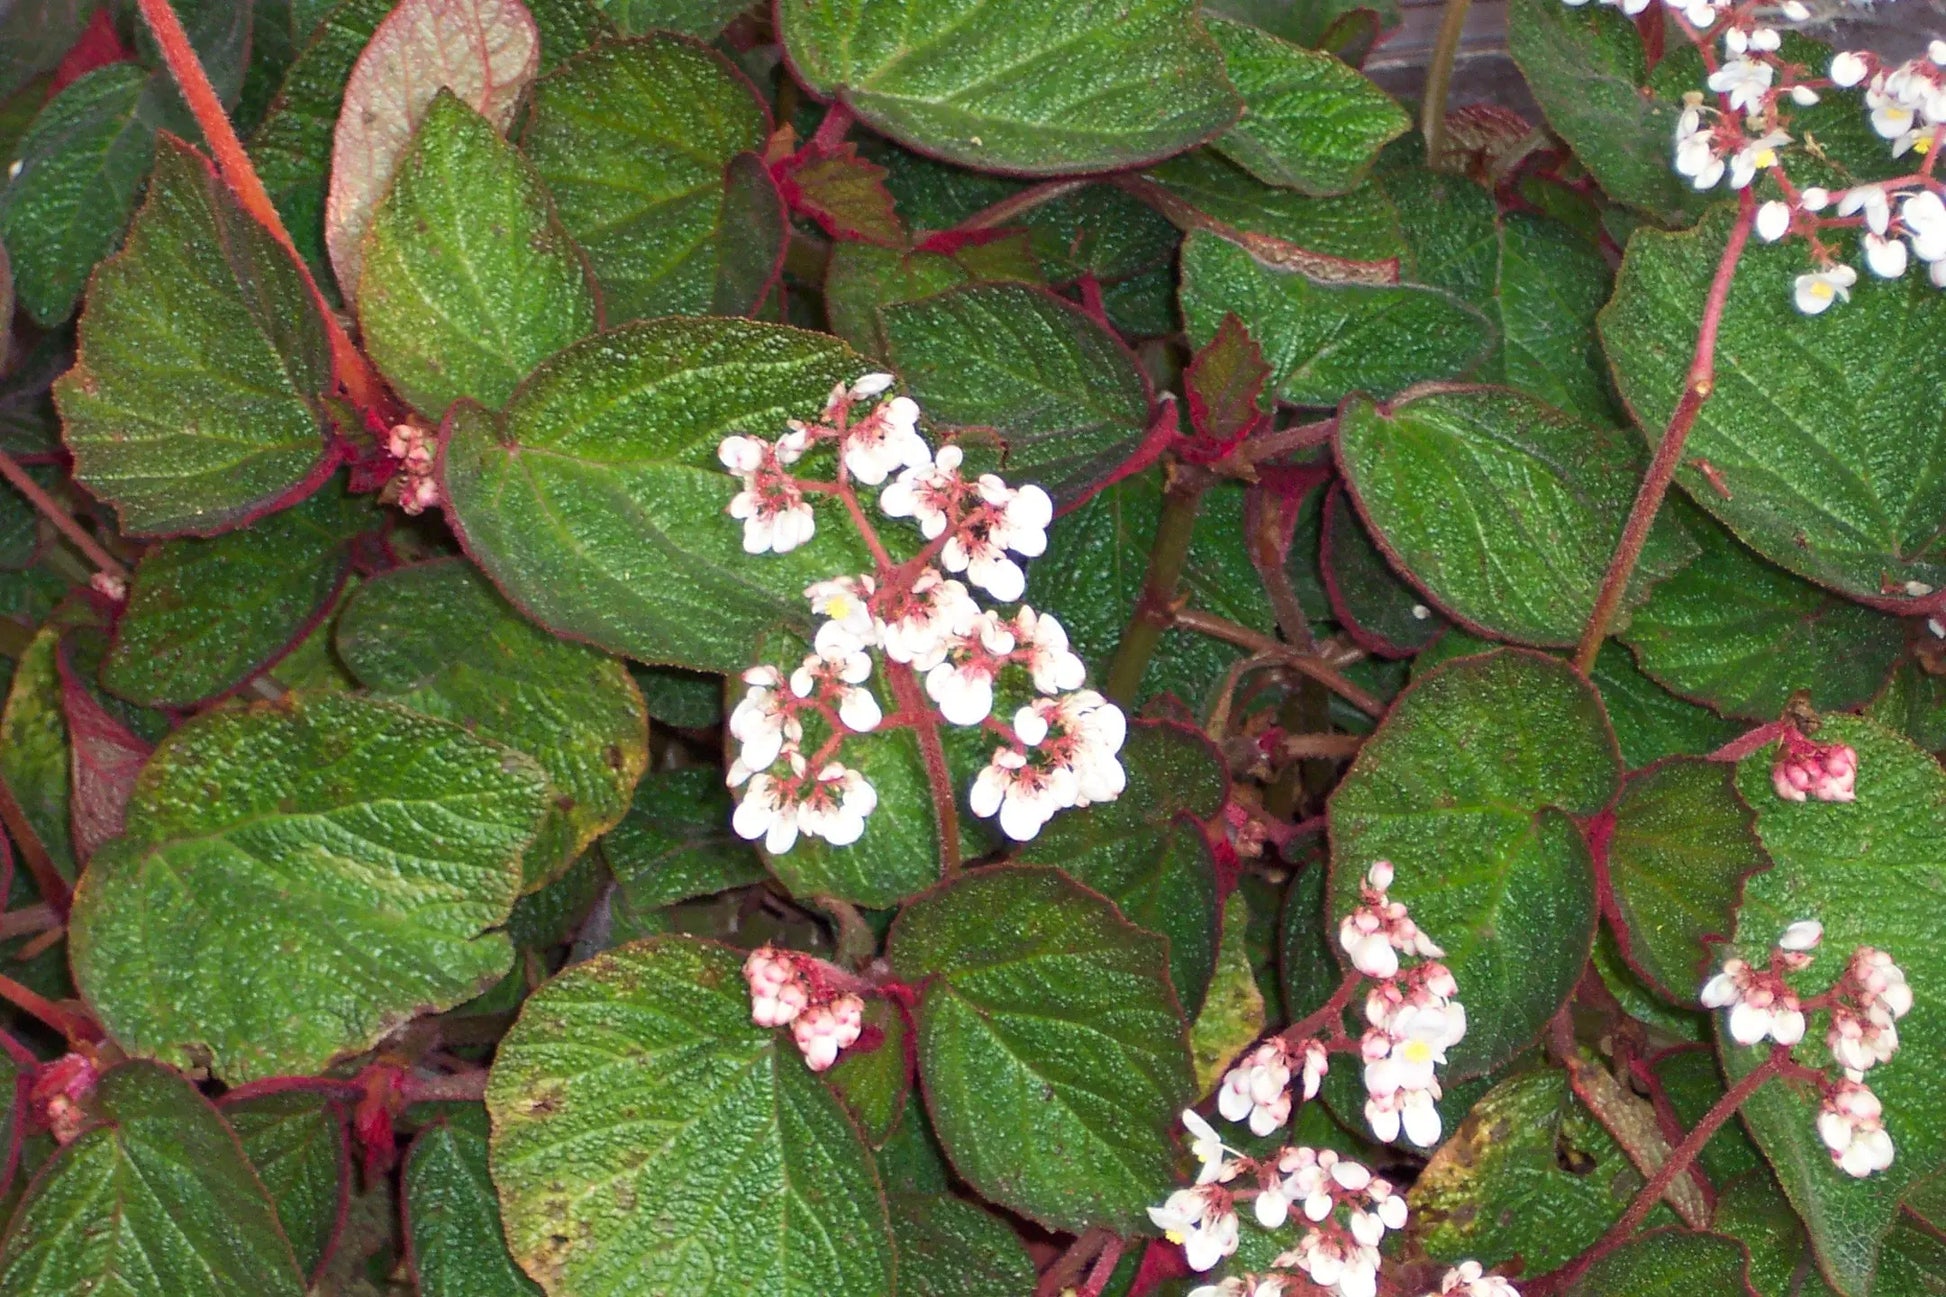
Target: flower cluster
(1061, 747)
(1806, 769)
(1864, 1007)
(414, 489)
(795, 991)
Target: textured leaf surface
(81, 162)
(648, 1139)
(1682, 846)
(1753, 1210)
(155, 1200)
(1352, 237)
(874, 1081)
(1502, 509)
(1310, 123)
(192, 405)
(1233, 1013)
(436, 637)
(633, 140)
(1322, 340)
(1530, 1173)
(1731, 631)
(1039, 994)
(34, 759)
(484, 51)
(675, 842)
(699, 18)
(1061, 390)
(1869, 870)
(296, 1143)
(1827, 435)
(863, 277)
(104, 754)
(1467, 787)
(596, 502)
(452, 1216)
(949, 1247)
(1377, 607)
(204, 615)
(1668, 1263)
(1032, 86)
(844, 193)
(899, 854)
(298, 879)
(469, 279)
(1650, 722)
(1146, 850)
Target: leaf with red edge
(104, 758)
(842, 192)
(1225, 382)
(299, 1144)
(484, 51)
(1375, 605)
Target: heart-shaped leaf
(1037, 87)
(297, 1142)
(1310, 123)
(1682, 845)
(1147, 851)
(862, 278)
(452, 1216)
(1503, 510)
(298, 879)
(1840, 482)
(193, 404)
(1870, 871)
(635, 141)
(1668, 1262)
(1061, 390)
(437, 638)
(1326, 340)
(1467, 788)
(484, 51)
(735, 1168)
(469, 280)
(596, 501)
(675, 842)
(1052, 1048)
(205, 615)
(154, 1199)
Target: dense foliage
(967, 647)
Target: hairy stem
(1439, 79)
(1692, 1144)
(912, 703)
(360, 381)
(72, 1026)
(856, 943)
(1697, 386)
(1330, 1013)
(1304, 663)
(1155, 609)
(1015, 205)
(1066, 1271)
(1244, 459)
(1632, 1124)
(63, 521)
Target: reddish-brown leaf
(1225, 381)
(842, 192)
(104, 760)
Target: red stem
(1697, 386)
(832, 130)
(353, 371)
(63, 521)
(73, 1027)
(939, 779)
(1328, 1013)
(1104, 1268)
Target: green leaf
(1668, 1263)
(596, 501)
(1147, 851)
(648, 1139)
(1552, 283)
(1869, 870)
(484, 51)
(689, 700)
(1233, 1014)
(203, 616)
(1351, 238)
(452, 1216)
(34, 761)
(437, 638)
(469, 279)
(1589, 73)
(1376, 606)
(1683, 844)
(1061, 390)
(1503, 510)
(703, 19)
(633, 139)
(1754, 1211)
(1307, 22)
(1036, 995)
(155, 1200)
(291, 149)
(949, 1247)
(864, 277)
(1035, 87)
(82, 163)
(553, 915)
(296, 1142)
(1650, 722)
(1692, 1084)
(28, 422)
(1100, 230)
(875, 1081)
(1467, 788)
(1841, 482)
(844, 193)
(675, 842)
(1326, 340)
(1913, 703)
(1310, 123)
(193, 406)
(1733, 632)
(299, 879)
(1530, 1173)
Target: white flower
(1848, 69)
(1745, 81)
(928, 494)
(1872, 200)
(1411, 1110)
(1012, 521)
(885, 440)
(1257, 1089)
(1760, 1004)
(962, 683)
(777, 990)
(824, 1029)
(1850, 1126)
(1805, 934)
(1755, 155)
(846, 600)
(1815, 198)
(934, 611)
(1336, 1263)
(1773, 221)
(1924, 216)
(1202, 1221)
(836, 805)
(763, 721)
(775, 515)
(1044, 642)
(1696, 154)
(1080, 732)
(835, 673)
(1795, 10)
(870, 385)
(769, 810)
(1377, 931)
(1212, 1157)
(1816, 291)
(1025, 794)
(1467, 1279)
(1804, 96)
(1317, 1063)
